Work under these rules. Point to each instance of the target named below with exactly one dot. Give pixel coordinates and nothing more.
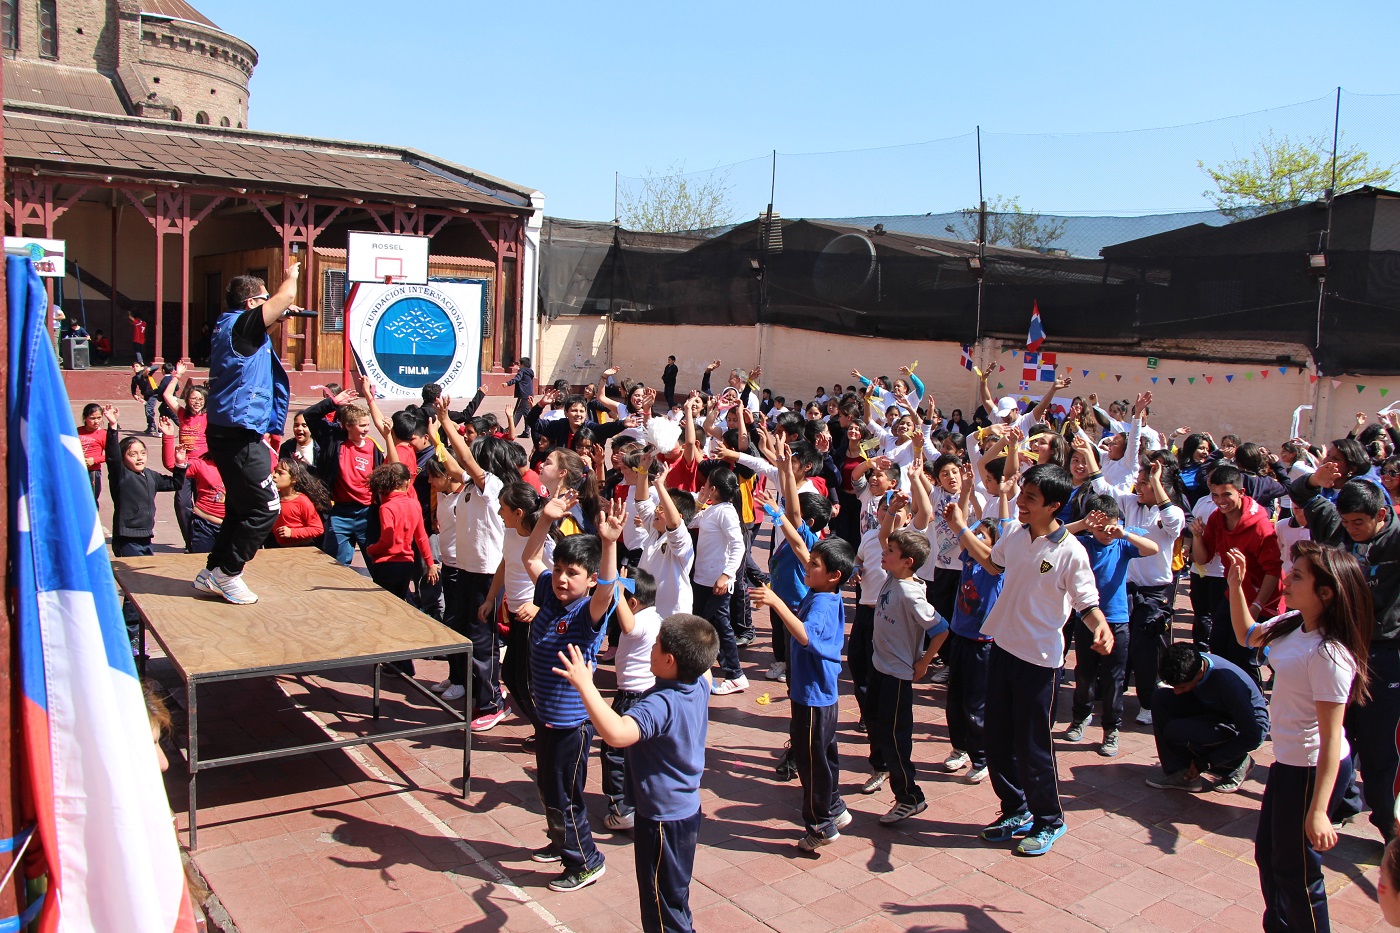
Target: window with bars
(48, 28)
(9, 25)
(333, 301)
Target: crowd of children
(979, 552)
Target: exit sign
(1152, 362)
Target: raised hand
(1235, 566)
(574, 668)
(344, 397)
(822, 442)
(611, 519)
(714, 365)
(953, 515)
(1063, 382)
(560, 503)
(167, 427)
(111, 413)
(1198, 527)
(610, 371)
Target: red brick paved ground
(379, 838)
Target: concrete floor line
(356, 754)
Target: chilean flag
(104, 831)
(1037, 333)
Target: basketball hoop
(386, 258)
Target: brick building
(126, 136)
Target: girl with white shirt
(485, 467)
(719, 554)
(519, 505)
(1318, 651)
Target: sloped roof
(78, 143)
(175, 9)
(58, 85)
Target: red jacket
(299, 515)
(400, 529)
(1253, 536)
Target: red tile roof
(58, 85)
(177, 9)
(73, 143)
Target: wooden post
(185, 228)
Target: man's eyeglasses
(263, 297)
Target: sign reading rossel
(411, 335)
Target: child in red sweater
(92, 434)
(392, 561)
(401, 531)
(202, 484)
(302, 499)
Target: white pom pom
(663, 434)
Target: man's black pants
(250, 497)
(969, 661)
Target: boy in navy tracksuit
(568, 617)
(663, 735)
(818, 631)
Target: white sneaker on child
(956, 761)
(205, 584)
(732, 685)
(777, 670)
(1144, 718)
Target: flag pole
(9, 675)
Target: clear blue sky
(559, 96)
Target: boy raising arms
(568, 617)
(818, 631)
(663, 735)
(1046, 572)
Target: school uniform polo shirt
(813, 668)
(1044, 578)
(665, 765)
(556, 626)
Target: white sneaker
(1144, 718)
(441, 686)
(777, 670)
(232, 588)
(975, 776)
(205, 584)
(732, 685)
(956, 762)
(453, 692)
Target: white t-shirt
(1203, 510)
(872, 575)
(1162, 526)
(1287, 534)
(634, 653)
(668, 557)
(480, 530)
(1307, 671)
(516, 586)
(1045, 578)
(447, 503)
(719, 548)
(942, 542)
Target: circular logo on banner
(413, 330)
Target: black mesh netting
(1247, 280)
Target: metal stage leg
(192, 756)
(378, 669)
(141, 649)
(467, 729)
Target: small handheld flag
(1036, 336)
(967, 362)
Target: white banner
(410, 335)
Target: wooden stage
(312, 614)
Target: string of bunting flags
(1041, 367)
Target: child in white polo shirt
(1046, 574)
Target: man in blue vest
(248, 396)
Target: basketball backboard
(386, 258)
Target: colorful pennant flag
(1209, 379)
(1360, 389)
(1229, 377)
(1191, 380)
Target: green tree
(1283, 172)
(676, 201)
(1009, 224)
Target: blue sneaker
(1008, 827)
(1038, 843)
